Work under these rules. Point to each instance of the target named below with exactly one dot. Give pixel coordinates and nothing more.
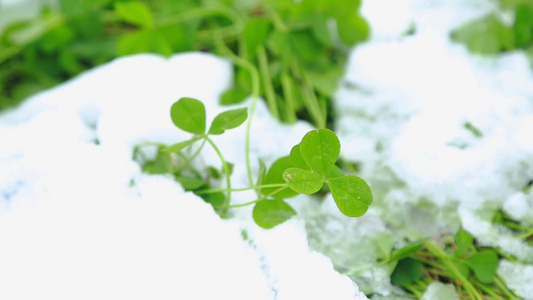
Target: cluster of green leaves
(459, 261)
(491, 35)
(290, 52)
(310, 165)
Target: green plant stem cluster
(491, 35)
(310, 165)
(457, 260)
(291, 53)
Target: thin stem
(211, 191)
(439, 253)
(198, 13)
(193, 156)
(267, 83)
(255, 201)
(227, 202)
(503, 288)
(488, 291)
(254, 74)
(50, 23)
(240, 205)
(309, 98)
(288, 93)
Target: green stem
(267, 83)
(309, 98)
(227, 202)
(211, 191)
(489, 292)
(418, 294)
(288, 93)
(446, 260)
(252, 202)
(193, 156)
(198, 13)
(52, 22)
(525, 235)
(503, 288)
(254, 74)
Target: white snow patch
(79, 220)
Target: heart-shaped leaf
(180, 146)
(228, 120)
(351, 194)
(269, 213)
(320, 149)
(406, 272)
(275, 175)
(188, 114)
(297, 159)
(303, 181)
(484, 265)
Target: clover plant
(309, 166)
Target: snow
(79, 220)
(519, 277)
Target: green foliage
(188, 115)
(310, 164)
(460, 261)
(484, 265)
(134, 12)
(269, 213)
(490, 35)
(317, 154)
(228, 120)
(407, 271)
(295, 56)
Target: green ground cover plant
(297, 49)
(310, 165)
(292, 55)
(492, 35)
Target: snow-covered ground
(78, 219)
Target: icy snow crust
(79, 220)
(403, 108)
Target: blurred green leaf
(135, 12)
(270, 213)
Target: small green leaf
(464, 242)
(352, 28)
(320, 149)
(180, 146)
(135, 12)
(406, 272)
(297, 159)
(143, 41)
(255, 34)
(215, 199)
(275, 176)
(228, 120)
(484, 265)
(306, 46)
(303, 181)
(351, 194)
(408, 250)
(188, 114)
(233, 96)
(161, 165)
(190, 183)
(270, 213)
